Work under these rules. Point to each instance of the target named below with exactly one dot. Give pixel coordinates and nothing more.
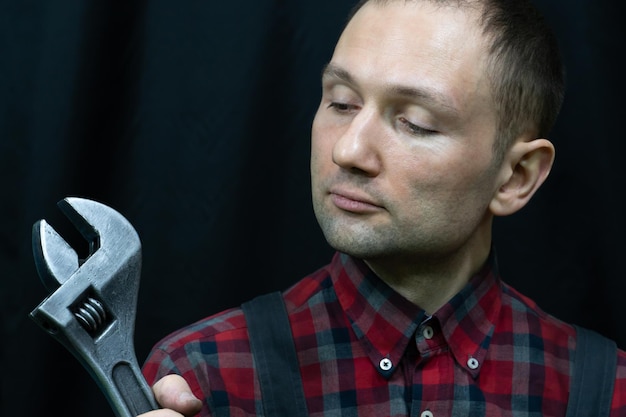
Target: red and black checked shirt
(364, 350)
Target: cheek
(320, 154)
(316, 145)
(321, 144)
(434, 176)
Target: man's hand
(173, 394)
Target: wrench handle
(133, 394)
(112, 364)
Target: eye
(415, 129)
(341, 107)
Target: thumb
(173, 392)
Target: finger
(173, 392)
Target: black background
(192, 119)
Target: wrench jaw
(91, 310)
(53, 266)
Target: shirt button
(428, 332)
(385, 364)
(426, 413)
(472, 363)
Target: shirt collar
(385, 322)
(468, 320)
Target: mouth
(353, 202)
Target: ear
(524, 169)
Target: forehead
(418, 44)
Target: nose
(357, 148)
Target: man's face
(401, 159)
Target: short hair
(525, 68)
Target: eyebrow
(429, 96)
(334, 71)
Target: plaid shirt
(364, 350)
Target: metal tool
(91, 310)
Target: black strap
(593, 377)
(275, 356)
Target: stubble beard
(353, 236)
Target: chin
(358, 248)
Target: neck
(429, 283)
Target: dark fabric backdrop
(192, 119)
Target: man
(432, 122)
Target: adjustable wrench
(91, 310)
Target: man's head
(525, 69)
(403, 147)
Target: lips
(353, 202)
